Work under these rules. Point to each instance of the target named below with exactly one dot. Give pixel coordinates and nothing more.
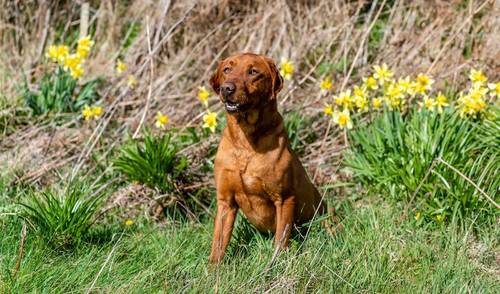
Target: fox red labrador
(255, 168)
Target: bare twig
(151, 77)
(45, 32)
(105, 263)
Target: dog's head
(246, 81)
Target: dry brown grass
(187, 38)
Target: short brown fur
(255, 168)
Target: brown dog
(255, 169)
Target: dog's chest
(254, 174)
(259, 184)
(260, 175)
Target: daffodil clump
(383, 89)
(60, 88)
(413, 129)
(71, 62)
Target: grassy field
(109, 128)
(373, 254)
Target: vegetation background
(143, 237)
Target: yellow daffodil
(161, 120)
(326, 84)
(342, 119)
(473, 102)
(210, 121)
(360, 98)
(76, 72)
(344, 99)
(97, 110)
(478, 91)
(52, 53)
(87, 112)
(477, 77)
(129, 222)
(470, 106)
(376, 103)
(286, 69)
(328, 109)
(131, 82)
(439, 217)
(423, 83)
(370, 83)
(441, 101)
(85, 42)
(359, 91)
(405, 85)
(83, 52)
(394, 103)
(361, 103)
(394, 95)
(418, 215)
(494, 89)
(62, 53)
(203, 95)
(84, 45)
(382, 73)
(93, 112)
(58, 53)
(428, 103)
(120, 67)
(72, 61)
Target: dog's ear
(215, 79)
(277, 79)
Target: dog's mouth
(236, 107)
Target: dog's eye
(227, 70)
(252, 72)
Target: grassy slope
(372, 254)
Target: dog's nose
(228, 89)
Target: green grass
(372, 254)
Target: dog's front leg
(223, 228)
(284, 221)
